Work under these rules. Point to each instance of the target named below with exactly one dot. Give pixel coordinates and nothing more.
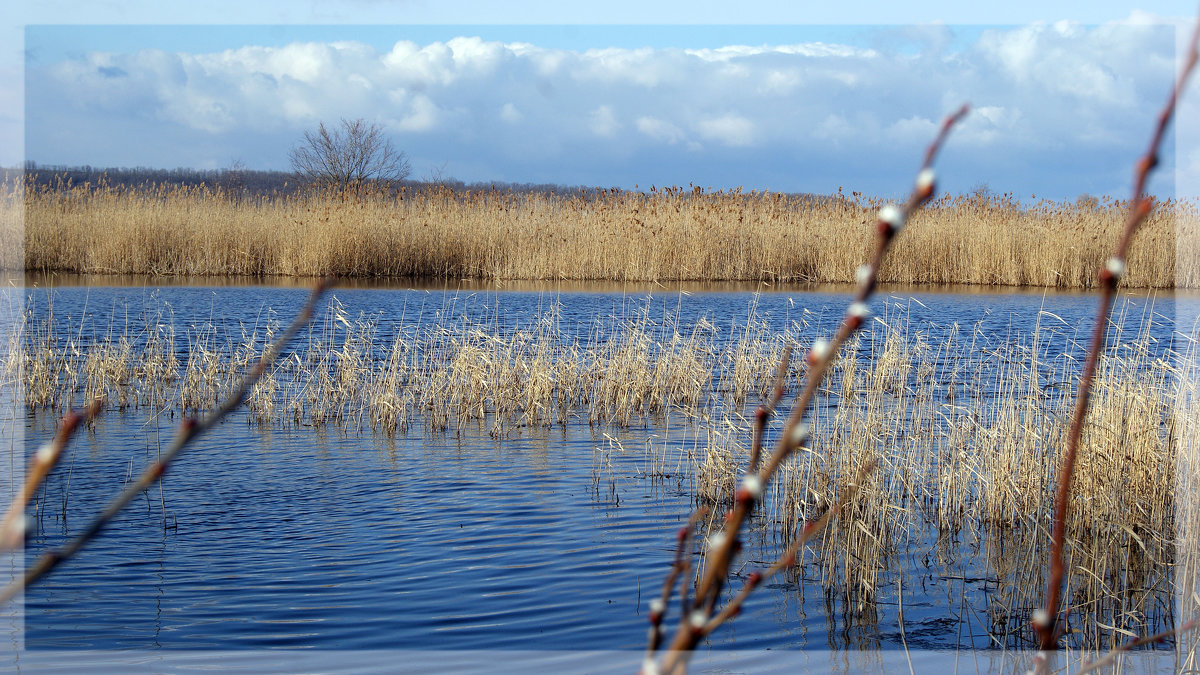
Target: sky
(793, 97)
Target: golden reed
(663, 235)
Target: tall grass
(662, 235)
(444, 374)
(12, 223)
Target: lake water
(545, 544)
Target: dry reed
(1187, 476)
(974, 457)
(661, 235)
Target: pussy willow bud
(892, 216)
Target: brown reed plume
(189, 430)
(700, 616)
(1050, 622)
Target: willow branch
(658, 606)
(724, 545)
(12, 529)
(1138, 642)
(765, 411)
(1050, 622)
(189, 430)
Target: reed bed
(964, 434)
(670, 234)
(1187, 435)
(12, 227)
(442, 375)
(961, 425)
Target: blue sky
(767, 95)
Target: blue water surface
(337, 538)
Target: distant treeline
(247, 182)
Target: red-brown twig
(658, 606)
(1135, 643)
(188, 431)
(789, 557)
(766, 410)
(722, 547)
(1050, 622)
(12, 529)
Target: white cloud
(833, 127)
(781, 82)
(810, 50)
(509, 113)
(1099, 66)
(603, 122)
(642, 67)
(528, 112)
(422, 115)
(732, 130)
(660, 130)
(912, 130)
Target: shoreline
(72, 279)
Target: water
(341, 541)
(550, 539)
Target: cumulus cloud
(660, 130)
(604, 122)
(799, 117)
(732, 130)
(510, 113)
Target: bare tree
(355, 153)
(233, 180)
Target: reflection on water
(336, 537)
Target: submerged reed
(960, 424)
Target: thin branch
(1050, 622)
(189, 430)
(724, 545)
(790, 556)
(765, 411)
(12, 529)
(658, 607)
(1138, 642)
